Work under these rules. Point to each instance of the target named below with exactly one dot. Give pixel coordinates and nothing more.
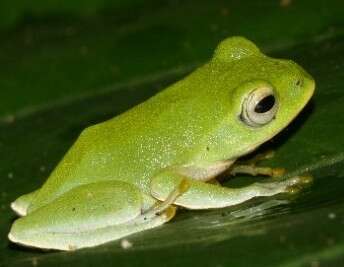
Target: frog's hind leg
(87, 216)
(21, 204)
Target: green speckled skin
(191, 126)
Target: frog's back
(133, 146)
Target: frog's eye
(259, 107)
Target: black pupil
(265, 104)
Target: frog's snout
(309, 87)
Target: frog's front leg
(202, 195)
(250, 167)
(87, 216)
(256, 170)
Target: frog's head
(262, 95)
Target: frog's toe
(306, 179)
(294, 189)
(297, 183)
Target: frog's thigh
(21, 204)
(201, 195)
(86, 216)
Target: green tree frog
(130, 173)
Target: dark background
(67, 64)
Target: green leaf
(59, 76)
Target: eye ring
(259, 107)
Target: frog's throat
(204, 173)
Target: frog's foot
(290, 185)
(87, 216)
(21, 204)
(299, 183)
(249, 166)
